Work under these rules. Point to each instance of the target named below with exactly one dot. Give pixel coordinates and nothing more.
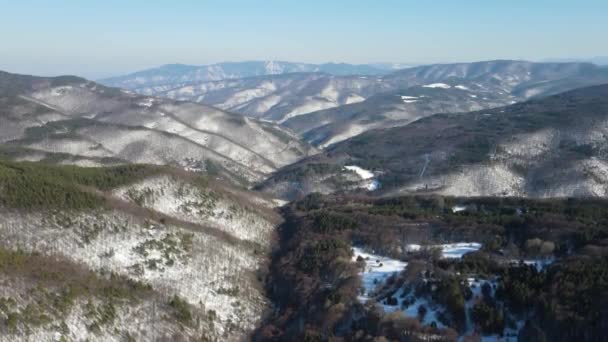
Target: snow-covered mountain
(549, 147)
(129, 253)
(445, 89)
(394, 108)
(281, 97)
(291, 97)
(171, 76)
(95, 125)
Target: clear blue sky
(102, 38)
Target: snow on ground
(366, 175)
(476, 286)
(267, 103)
(349, 132)
(330, 93)
(172, 197)
(409, 99)
(196, 266)
(247, 95)
(147, 102)
(411, 310)
(308, 106)
(372, 185)
(458, 208)
(495, 179)
(449, 250)
(354, 98)
(540, 264)
(457, 250)
(377, 269)
(132, 318)
(438, 85)
(529, 146)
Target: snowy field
(379, 268)
(448, 250)
(367, 176)
(437, 85)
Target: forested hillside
(440, 268)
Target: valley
(355, 267)
(287, 201)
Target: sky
(95, 38)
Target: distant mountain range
(72, 120)
(326, 108)
(171, 76)
(77, 121)
(444, 88)
(599, 60)
(550, 147)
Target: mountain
(75, 120)
(599, 60)
(448, 88)
(393, 108)
(170, 76)
(460, 87)
(548, 147)
(129, 253)
(280, 97)
(393, 66)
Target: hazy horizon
(110, 38)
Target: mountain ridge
(505, 151)
(83, 118)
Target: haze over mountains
(171, 76)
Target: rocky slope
(72, 116)
(549, 147)
(129, 253)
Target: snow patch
(449, 250)
(437, 85)
(409, 99)
(364, 174)
(377, 270)
(458, 208)
(147, 102)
